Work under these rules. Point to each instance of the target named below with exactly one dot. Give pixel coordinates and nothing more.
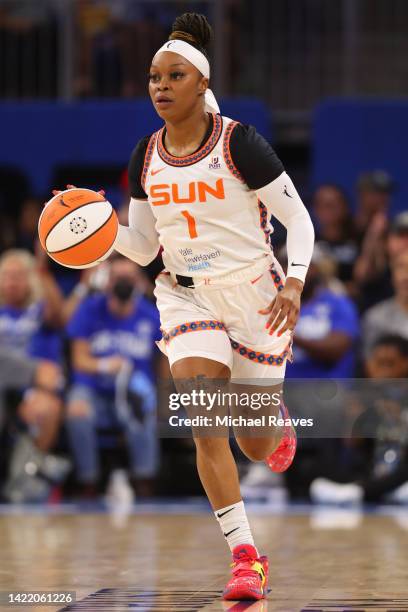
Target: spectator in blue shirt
(30, 307)
(113, 358)
(326, 332)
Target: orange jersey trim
(148, 159)
(193, 326)
(244, 351)
(263, 220)
(278, 281)
(188, 160)
(259, 357)
(227, 153)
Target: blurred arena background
(325, 81)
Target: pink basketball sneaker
(282, 457)
(249, 575)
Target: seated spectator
(390, 316)
(30, 306)
(398, 237)
(374, 191)
(30, 472)
(335, 231)
(371, 227)
(20, 372)
(113, 352)
(327, 329)
(380, 433)
(372, 274)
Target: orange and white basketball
(78, 228)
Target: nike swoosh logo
(229, 533)
(303, 265)
(153, 172)
(285, 191)
(226, 512)
(63, 203)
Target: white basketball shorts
(219, 320)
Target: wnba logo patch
(215, 163)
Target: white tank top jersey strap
(209, 222)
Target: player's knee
(78, 409)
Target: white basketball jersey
(208, 220)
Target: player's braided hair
(194, 29)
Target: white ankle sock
(234, 524)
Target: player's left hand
(286, 305)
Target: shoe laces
(244, 567)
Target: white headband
(198, 59)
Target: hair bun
(194, 29)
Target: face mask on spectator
(123, 289)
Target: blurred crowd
(114, 43)
(78, 360)
(108, 35)
(73, 369)
(80, 365)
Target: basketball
(77, 228)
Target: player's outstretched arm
(139, 241)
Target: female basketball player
(204, 188)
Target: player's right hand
(284, 307)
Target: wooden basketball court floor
(164, 558)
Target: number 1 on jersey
(192, 230)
